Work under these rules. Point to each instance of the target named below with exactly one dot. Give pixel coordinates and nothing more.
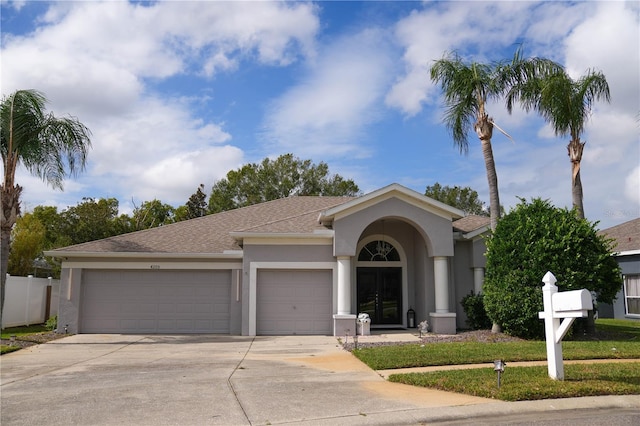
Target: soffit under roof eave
(385, 193)
(227, 254)
(476, 233)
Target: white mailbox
(571, 304)
(560, 311)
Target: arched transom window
(378, 251)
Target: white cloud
(598, 35)
(326, 111)
(428, 34)
(99, 61)
(632, 186)
(609, 41)
(156, 136)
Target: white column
(478, 280)
(441, 278)
(344, 285)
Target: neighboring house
(298, 265)
(627, 253)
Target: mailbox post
(565, 306)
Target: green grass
(24, 331)
(405, 356)
(620, 339)
(21, 333)
(626, 345)
(531, 383)
(620, 328)
(5, 349)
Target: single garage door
(294, 302)
(155, 301)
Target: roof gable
(391, 191)
(473, 225)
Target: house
(298, 265)
(626, 238)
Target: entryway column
(344, 285)
(441, 279)
(478, 280)
(442, 321)
(344, 322)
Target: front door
(380, 294)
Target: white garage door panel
(294, 302)
(155, 302)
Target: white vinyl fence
(26, 300)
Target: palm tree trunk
(492, 179)
(484, 129)
(574, 150)
(494, 198)
(9, 211)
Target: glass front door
(380, 294)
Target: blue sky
(179, 93)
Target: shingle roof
(626, 235)
(471, 223)
(210, 234)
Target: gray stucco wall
(435, 230)
(235, 305)
(69, 301)
(424, 281)
(463, 264)
(630, 265)
(479, 259)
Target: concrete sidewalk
(227, 380)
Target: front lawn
(621, 341)
(625, 346)
(531, 383)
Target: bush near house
(473, 305)
(532, 239)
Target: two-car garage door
(161, 301)
(144, 301)
(294, 302)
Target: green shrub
(473, 306)
(535, 238)
(52, 323)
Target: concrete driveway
(198, 380)
(228, 380)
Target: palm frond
(465, 90)
(47, 146)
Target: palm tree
(47, 146)
(566, 105)
(467, 87)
